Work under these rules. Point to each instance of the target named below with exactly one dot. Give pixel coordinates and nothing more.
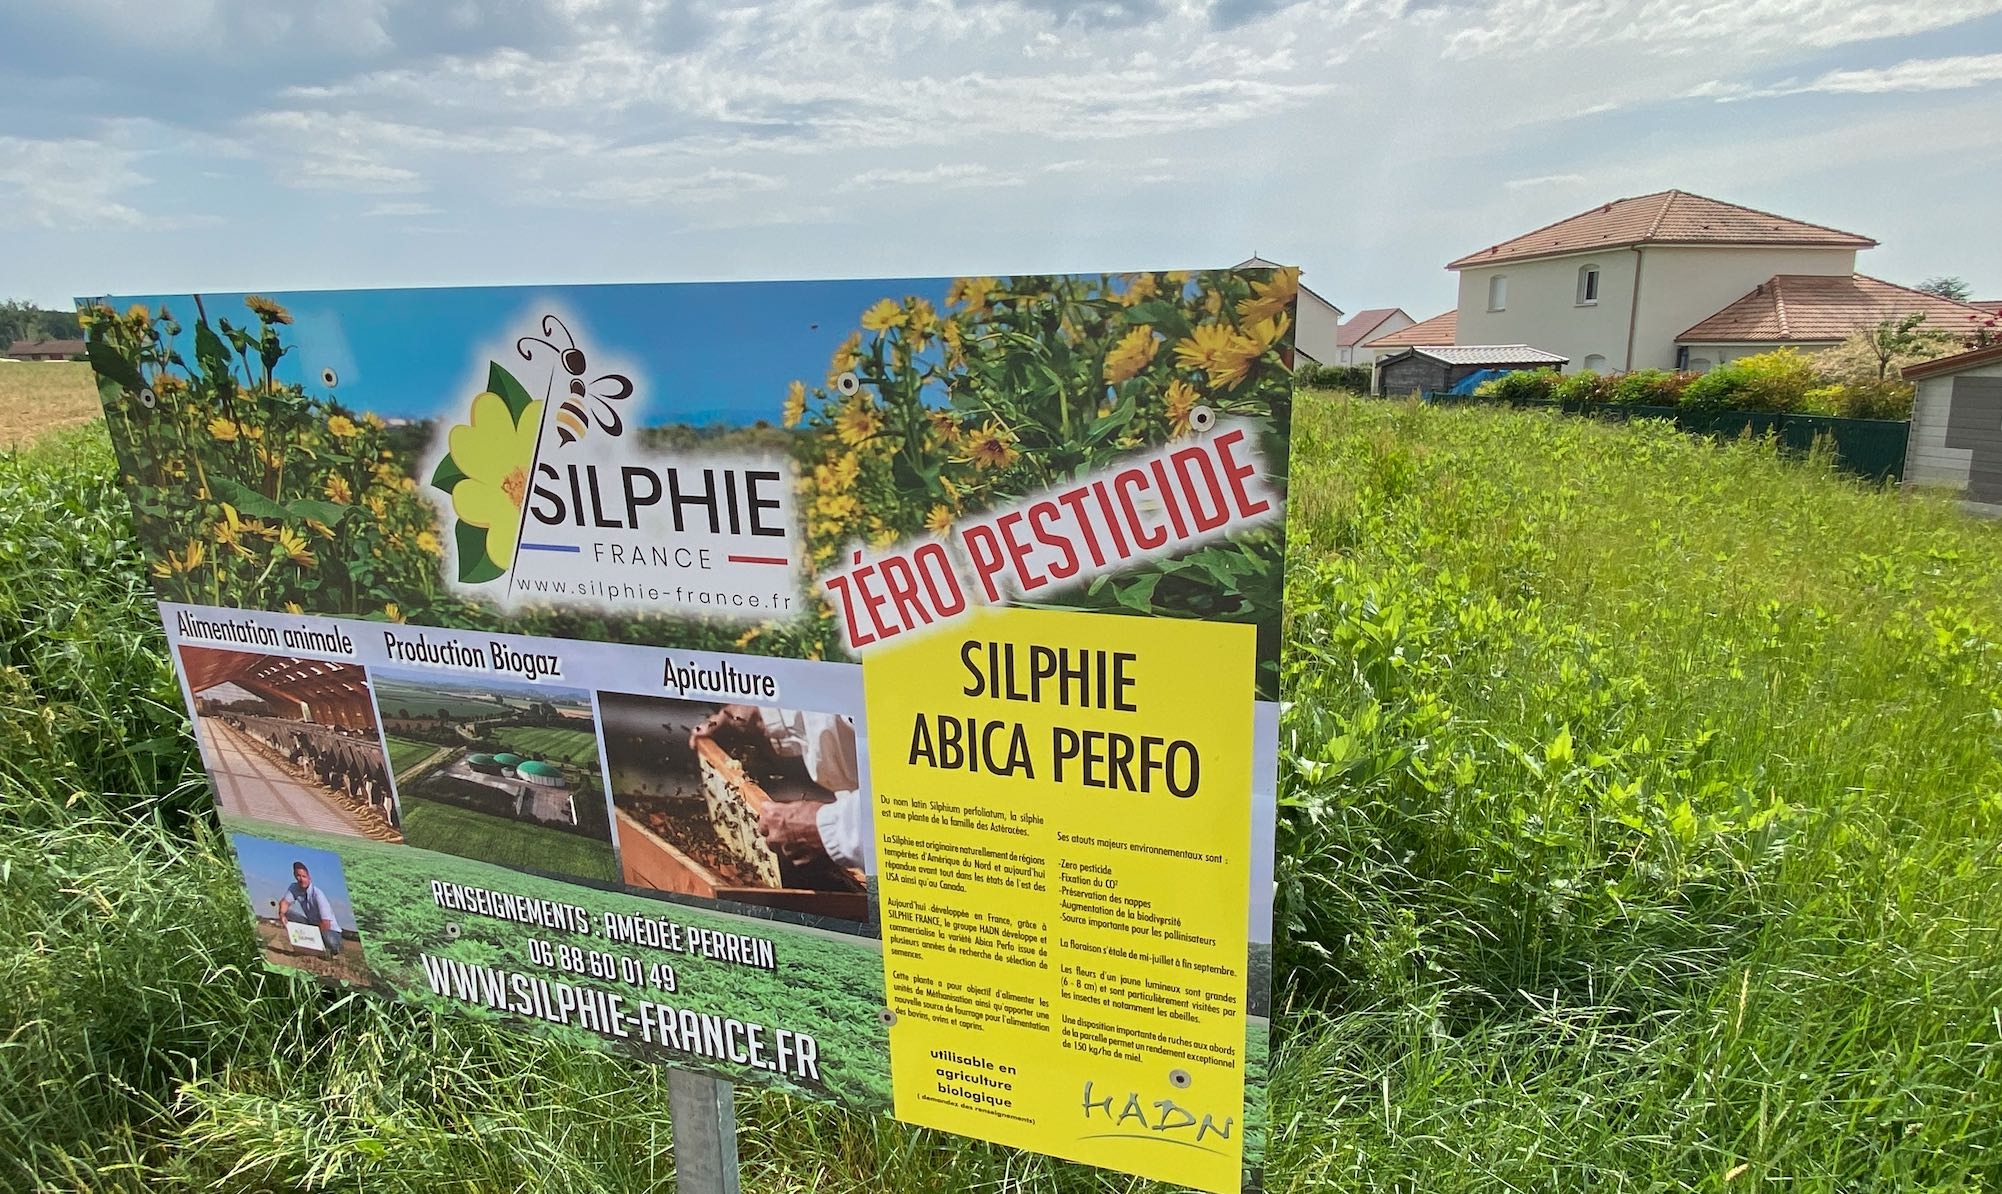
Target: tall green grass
(1641, 810)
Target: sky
(232, 145)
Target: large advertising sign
(865, 689)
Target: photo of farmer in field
(754, 804)
(304, 918)
(498, 771)
(292, 741)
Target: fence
(1870, 448)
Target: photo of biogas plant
(741, 803)
(497, 771)
(292, 741)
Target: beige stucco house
(1355, 340)
(1677, 281)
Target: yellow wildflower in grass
(886, 314)
(341, 427)
(222, 431)
(993, 446)
(1128, 357)
(939, 521)
(1222, 354)
(1271, 297)
(1182, 398)
(494, 451)
(858, 423)
(337, 489)
(292, 546)
(795, 407)
(427, 542)
(267, 310)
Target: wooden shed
(1956, 434)
(1430, 368)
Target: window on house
(1595, 363)
(1498, 293)
(1588, 285)
(1699, 364)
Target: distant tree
(23, 320)
(1946, 286)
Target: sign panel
(864, 689)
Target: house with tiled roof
(44, 350)
(1674, 280)
(1353, 340)
(1427, 333)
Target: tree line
(23, 320)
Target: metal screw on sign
(704, 1114)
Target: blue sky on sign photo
(230, 145)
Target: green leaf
(210, 351)
(247, 500)
(108, 363)
(319, 511)
(1138, 594)
(449, 474)
(501, 382)
(474, 566)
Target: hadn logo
(1129, 1113)
(551, 499)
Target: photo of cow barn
(501, 771)
(292, 741)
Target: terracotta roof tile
(1809, 308)
(1434, 331)
(1663, 218)
(1992, 306)
(1358, 326)
(1972, 358)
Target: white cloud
(1956, 73)
(1543, 180)
(406, 210)
(948, 177)
(68, 184)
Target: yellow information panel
(1063, 812)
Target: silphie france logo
(549, 496)
(494, 454)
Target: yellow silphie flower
(1268, 332)
(494, 452)
(795, 407)
(183, 562)
(373, 421)
(293, 607)
(427, 542)
(267, 310)
(338, 490)
(341, 427)
(222, 430)
(392, 612)
(993, 446)
(292, 546)
(939, 521)
(858, 424)
(944, 426)
(971, 293)
(845, 358)
(1270, 298)
(1127, 358)
(1222, 354)
(886, 314)
(1182, 398)
(1142, 288)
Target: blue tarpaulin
(1472, 380)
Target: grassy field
(37, 397)
(431, 825)
(1640, 832)
(578, 748)
(403, 752)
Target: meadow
(578, 748)
(506, 841)
(1641, 801)
(405, 753)
(37, 397)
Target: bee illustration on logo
(586, 402)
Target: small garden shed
(1956, 436)
(1441, 367)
